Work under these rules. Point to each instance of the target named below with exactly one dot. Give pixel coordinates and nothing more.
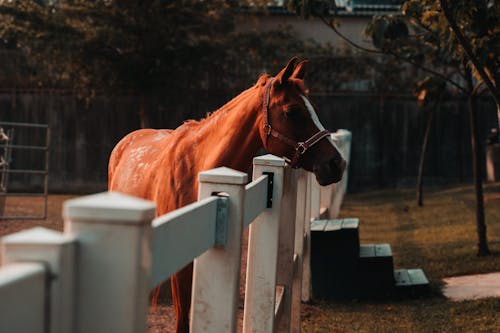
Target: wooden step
(375, 270)
(375, 251)
(334, 256)
(411, 281)
(340, 237)
(335, 224)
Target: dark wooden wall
(387, 135)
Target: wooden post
(315, 197)
(216, 272)
(113, 261)
(301, 179)
(262, 257)
(56, 251)
(306, 261)
(286, 249)
(23, 294)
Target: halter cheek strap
(299, 147)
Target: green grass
(440, 238)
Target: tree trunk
(477, 171)
(420, 180)
(466, 45)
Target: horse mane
(261, 81)
(229, 105)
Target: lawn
(440, 238)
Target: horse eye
(292, 111)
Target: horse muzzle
(329, 172)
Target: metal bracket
(222, 220)
(270, 183)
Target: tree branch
(468, 50)
(408, 60)
(347, 40)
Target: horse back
(133, 161)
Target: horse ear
(286, 72)
(300, 70)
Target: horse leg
(181, 283)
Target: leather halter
(299, 147)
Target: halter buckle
(301, 148)
(267, 129)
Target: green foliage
(432, 42)
(165, 48)
(386, 30)
(160, 48)
(111, 45)
(308, 8)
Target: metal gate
(8, 149)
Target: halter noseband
(300, 147)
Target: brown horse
(162, 165)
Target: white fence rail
(96, 276)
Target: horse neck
(231, 135)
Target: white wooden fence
(96, 275)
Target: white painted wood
(286, 247)
(114, 261)
(269, 160)
(306, 261)
(342, 139)
(223, 175)
(110, 206)
(22, 295)
(182, 235)
(255, 199)
(300, 218)
(262, 257)
(315, 198)
(313, 212)
(216, 272)
(57, 252)
(327, 193)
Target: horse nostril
(338, 164)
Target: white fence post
(306, 262)
(56, 251)
(113, 261)
(23, 293)
(343, 139)
(300, 237)
(286, 249)
(262, 257)
(217, 271)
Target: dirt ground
(161, 317)
(435, 238)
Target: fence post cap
(110, 207)
(269, 160)
(341, 132)
(37, 235)
(223, 175)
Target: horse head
(291, 127)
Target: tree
(455, 43)
(145, 47)
(471, 50)
(429, 92)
